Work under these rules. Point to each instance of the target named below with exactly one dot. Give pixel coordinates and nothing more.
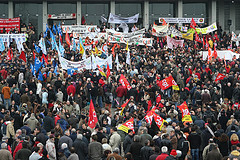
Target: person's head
(130, 132)
(72, 150)
(4, 145)
(40, 145)
(116, 150)
(64, 145)
(79, 136)
(164, 149)
(36, 149)
(147, 142)
(113, 129)
(136, 138)
(94, 137)
(67, 133)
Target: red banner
(127, 125)
(92, 121)
(10, 23)
(159, 120)
(124, 82)
(168, 82)
(220, 76)
(185, 112)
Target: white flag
(128, 61)
(42, 46)
(117, 19)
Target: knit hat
(235, 153)
(173, 152)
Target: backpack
(185, 147)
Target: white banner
(181, 20)
(172, 30)
(159, 29)
(78, 28)
(221, 54)
(66, 64)
(174, 43)
(86, 64)
(19, 37)
(117, 19)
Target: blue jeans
(100, 101)
(7, 103)
(195, 154)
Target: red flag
(159, 120)
(9, 56)
(164, 22)
(209, 54)
(158, 99)
(165, 83)
(124, 82)
(149, 117)
(60, 38)
(23, 56)
(92, 121)
(149, 105)
(34, 55)
(83, 21)
(215, 53)
(207, 44)
(45, 58)
(193, 24)
(204, 45)
(67, 39)
(108, 71)
(220, 76)
(197, 38)
(127, 125)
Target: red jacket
(162, 156)
(121, 91)
(18, 147)
(71, 89)
(4, 73)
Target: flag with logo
(149, 116)
(159, 120)
(124, 82)
(165, 83)
(40, 76)
(193, 24)
(124, 105)
(187, 36)
(42, 46)
(37, 64)
(174, 84)
(197, 38)
(23, 56)
(186, 117)
(127, 125)
(67, 39)
(220, 76)
(81, 47)
(215, 55)
(108, 71)
(101, 71)
(71, 71)
(92, 119)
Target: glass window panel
(3, 10)
(30, 12)
(93, 12)
(195, 10)
(157, 10)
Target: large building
(39, 12)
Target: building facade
(225, 12)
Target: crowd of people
(48, 119)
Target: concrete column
(10, 9)
(180, 8)
(112, 9)
(45, 14)
(214, 11)
(146, 14)
(221, 14)
(232, 17)
(79, 12)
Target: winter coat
(214, 155)
(6, 92)
(51, 149)
(115, 140)
(65, 139)
(121, 91)
(73, 156)
(10, 133)
(23, 153)
(95, 151)
(194, 140)
(63, 124)
(127, 143)
(48, 123)
(135, 149)
(81, 149)
(32, 123)
(5, 154)
(146, 152)
(71, 89)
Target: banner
(174, 32)
(187, 36)
(183, 29)
(219, 77)
(126, 35)
(103, 62)
(181, 20)
(10, 23)
(165, 83)
(78, 28)
(10, 37)
(186, 117)
(227, 54)
(127, 125)
(162, 29)
(117, 19)
(234, 37)
(159, 120)
(62, 16)
(205, 30)
(174, 43)
(66, 64)
(124, 82)
(149, 116)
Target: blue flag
(38, 49)
(53, 42)
(71, 71)
(45, 33)
(54, 29)
(2, 47)
(55, 70)
(59, 29)
(40, 76)
(33, 70)
(61, 49)
(37, 64)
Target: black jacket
(81, 149)
(127, 143)
(195, 140)
(48, 123)
(135, 149)
(146, 152)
